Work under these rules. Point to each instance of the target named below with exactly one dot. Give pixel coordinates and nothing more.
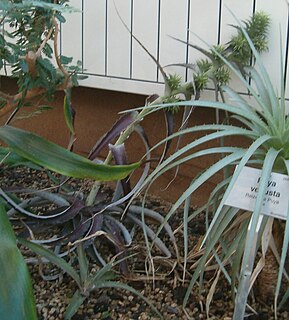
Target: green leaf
(49, 155)
(74, 304)
(68, 111)
(65, 59)
(60, 18)
(16, 296)
(83, 263)
(53, 258)
(12, 159)
(24, 66)
(250, 245)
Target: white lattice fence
(113, 60)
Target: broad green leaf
(16, 296)
(12, 159)
(49, 155)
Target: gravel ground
(166, 292)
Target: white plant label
(244, 193)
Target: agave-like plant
(86, 280)
(234, 237)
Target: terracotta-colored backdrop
(96, 111)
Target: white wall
(113, 60)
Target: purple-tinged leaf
(95, 255)
(136, 188)
(114, 232)
(119, 153)
(96, 225)
(125, 233)
(51, 197)
(79, 232)
(36, 201)
(67, 213)
(114, 132)
(140, 131)
(120, 158)
(63, 214)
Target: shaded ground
(166, 291)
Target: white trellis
(113, 60)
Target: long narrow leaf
(74, 304)
(53, 258)
(228, 216)
(16, 296)
(58, 159)
(69, 113)
(114, 132)
(248, 154)
(284, 250)
(248, 259)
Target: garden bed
(165, 289)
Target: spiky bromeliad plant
(228, 239)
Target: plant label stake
(244, 193)
(241, 297)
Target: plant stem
(122, 138)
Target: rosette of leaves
(83, 224)
(228, 241)
(86, 280)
